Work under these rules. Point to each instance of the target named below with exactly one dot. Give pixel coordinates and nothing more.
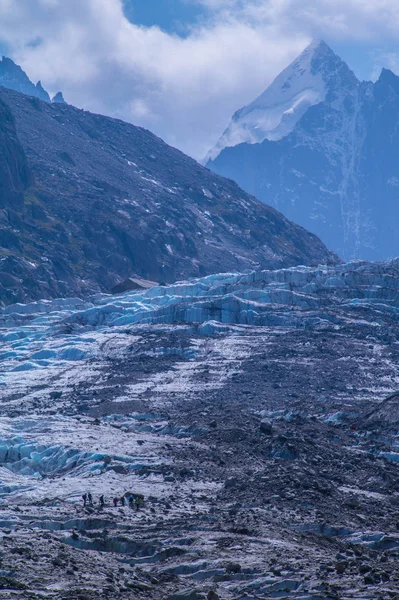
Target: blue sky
(181, 68)
(174, 16)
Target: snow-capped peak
(274, 114)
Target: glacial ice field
(52, 334)
(57, 357)
(253, 411)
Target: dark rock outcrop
(15, 176)
(132, 284)
(385, 415)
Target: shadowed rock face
(113, 201)
(15, 176)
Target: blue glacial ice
(50, 333)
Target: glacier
(48, 335)
(163, 393)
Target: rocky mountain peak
(317, 50)
(59, 98)
(320, 50)
(325, 61)
(13, 77)
(317, 74)
(41, 92)
(7, 65)
(388, 78)
(321, 146)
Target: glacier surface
(51, 335)
(163, 393)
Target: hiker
(123, 500)
(102, 502)
(84, 498)
(137, 503)
(131, 501)
(90, 498)
(115, 501)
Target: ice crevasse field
(49, 347)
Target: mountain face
(321, 147)
(14, 78)
(110, 200)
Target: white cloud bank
(185, 90)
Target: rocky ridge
(14, 78)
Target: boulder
(266, 427)
(233, 567)
(341, 567)
(130, 285)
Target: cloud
(185, 90)
(362, 19)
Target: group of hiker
(134, 500)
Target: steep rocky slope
(255, 412)
(111, 200)
(321, 147)
(15, 175)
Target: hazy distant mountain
(322, 147)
